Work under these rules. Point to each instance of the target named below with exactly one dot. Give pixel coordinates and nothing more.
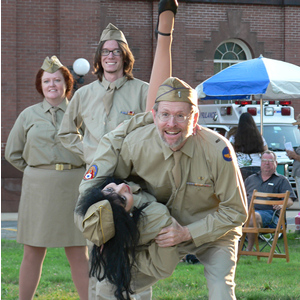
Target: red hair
(69, 80)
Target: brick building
(32, 30)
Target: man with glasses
(193, 172)
(102, 105)
(267, 181)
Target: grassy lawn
(255, 280)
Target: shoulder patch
(91, 173)
(226, 154)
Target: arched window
(229, 53)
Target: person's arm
(153, 260)
(284, 186)
(265, 144)
(289, 204)
(173, 235)
(230, 191)
(71, 126)
(106, 159)
(293, 155)
(15, 144)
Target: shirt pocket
(202, 196)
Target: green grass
(255, 280)
(56, 281)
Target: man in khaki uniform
(204, 191)
(102, 105)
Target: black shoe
(167, 5)
(164, 5)
(191, 259)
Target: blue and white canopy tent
(262, 78)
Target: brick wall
(32, 30)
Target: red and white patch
(91, 173)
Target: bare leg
(30, 271)
(162, 64)
(78, 259)
(251, 236)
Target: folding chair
(259, 198)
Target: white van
(278, 117)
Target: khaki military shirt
(86, 111)
(33, 139)
(211, 198)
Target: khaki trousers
(219, 259)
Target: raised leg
(162, 64)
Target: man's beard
(176, 144)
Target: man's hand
(277, 207)
(173, 235)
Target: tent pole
(261, 116)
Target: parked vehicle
(278, 117)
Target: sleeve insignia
(91, 173)
(226, 154)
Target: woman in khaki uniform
(123, 237)
(50, 182)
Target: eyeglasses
(267, 160)
(179, 118)
(115, 52)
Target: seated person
(123, 236)
(267, 181)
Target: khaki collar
(187, 149)
(118, 83)
(63, 105)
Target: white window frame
(230, 62)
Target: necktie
(108, 97)
(53, 111)
(177, 169)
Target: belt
(58, 167)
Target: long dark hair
(128, 60)
(247, 138)
(116, 258)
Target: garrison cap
(111, 32)
(175, 90)
(98, 223)
(51, 65)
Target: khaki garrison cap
(176, 90)
(111, 32)
(98, 223)
(51, 65)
